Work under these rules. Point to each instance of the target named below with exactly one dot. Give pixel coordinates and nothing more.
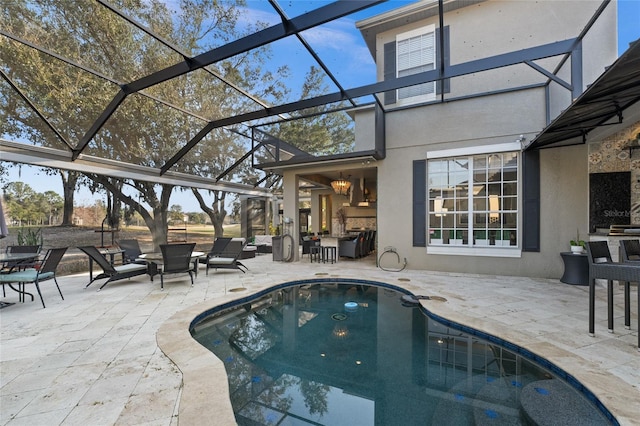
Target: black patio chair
(307, 243)
(45, 271)
(228, 259)
(131, 251)
(176, 259)
(113, 273)
(351, 248)
(602, 267)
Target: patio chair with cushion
(602, 267)
(351, 248)
(45, 271)
(113, 273)
(228, 259)
(132, 251)
(176, 259)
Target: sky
(340, 46)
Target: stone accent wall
(612, 155)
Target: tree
(142, 131)
(52, 203)
(69, 184)
(29, 207)
(323, 132)
(216, 212)
(19, 197)
(175, 213)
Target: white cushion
(221, 260)
(263, 239)
(130, 267)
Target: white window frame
(466, 250)
(429, 30)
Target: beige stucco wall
(497, 27)
(480, 31)
(564, 208)
(365, 136)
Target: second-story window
(416, 53)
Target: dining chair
(132, 251)
(176, 259)
(45, 271)
(602, 267)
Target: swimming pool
(322, 352)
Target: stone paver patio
(94, 358)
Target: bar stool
(601, 266)
(329, 254)
(315, 252)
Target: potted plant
(578, 246)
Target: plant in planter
(30, 237)
(578, 245)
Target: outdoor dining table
(155, 258)
(15, 260)
(10, 258)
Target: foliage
(143, 130)
(30, 237)
(274, 230)
(321, 133)
(578, 241)
(26, 206)
(175, 213)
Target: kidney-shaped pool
(352, 353)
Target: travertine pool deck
(94, 358)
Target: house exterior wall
(479, 31)
(365, 136)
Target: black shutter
(420, 203)
(445, 85)
(531, 201)
(390, 70)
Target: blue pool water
(350, 353)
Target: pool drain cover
(322, 273)
(404, 279)
(338, 317)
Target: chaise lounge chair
(219, 244)
(114, 273)
(228, 259)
